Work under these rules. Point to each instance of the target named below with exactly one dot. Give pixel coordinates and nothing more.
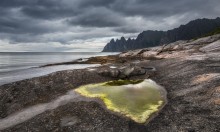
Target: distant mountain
(194, 29)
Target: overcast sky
(87, 25)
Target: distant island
(194, 29)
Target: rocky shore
(188, 70)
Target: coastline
(20, 66)
(189, 71)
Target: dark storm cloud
(22, 3)
(23, 26)
(97, 17)
(43, 12)
(14, 3)
(126, 30)
(96, 3)
(162, 8)
(45, 20)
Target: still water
(15, 66)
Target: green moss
(122, 82)
(214, 32)
(138, 100)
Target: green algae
(136, 99)
(122, 82)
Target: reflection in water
(138, 100)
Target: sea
(16, 66)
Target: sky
(87, 25)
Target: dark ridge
(194, 29)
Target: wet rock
(138, 71)
(122, 72)
(126, 71)
(82, 60)
(111, 72)
(149, 71)
(114, 72)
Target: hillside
(194, 29)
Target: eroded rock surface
(189, 72)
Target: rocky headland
(193, 29)
(188, 70)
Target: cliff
(192, 30)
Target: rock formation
(188, 70)
(192, 30)
(126, 71)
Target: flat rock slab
(213, 47)
(190, 78)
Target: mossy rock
(138, 100)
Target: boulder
(123, 72)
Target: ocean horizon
(16, 66)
